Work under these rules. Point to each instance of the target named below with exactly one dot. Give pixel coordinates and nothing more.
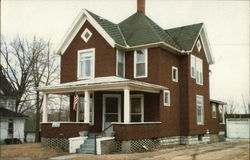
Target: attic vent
(86, 35)
(198, 45)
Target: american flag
(76, 99)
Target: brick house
(145, 84)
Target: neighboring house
(146, 84)
(238, 125)
(11, 125)
(30, 130)
(7, 94)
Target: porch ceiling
(111, 83)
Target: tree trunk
(37, 117)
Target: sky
(226, 22)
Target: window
(166, 97)
(197, 69)
(200, 110)
(140, 63)
(137, 108)
(198, 45)
(193, 66)
(175, 74)
(120, 63)
(80, 109)
(86, 35)
(86, 63)
(221, 112)
(213, 110)
(10, 128)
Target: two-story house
(146, 84)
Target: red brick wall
(105, 57)
(66, 130)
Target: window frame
(176, 76)
(198, 45)
(92, 54)
(141, 96)
(202, 110)
(124, 60)
(11, 129)
(145, 51)
(199, 69)
(193, 65)
(164, 98)
(83, 35)
(214, 111)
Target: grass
(28, 151)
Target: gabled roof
(185, 36)
(139, 29)
(111, 28)
(5, 88)
(8, 113)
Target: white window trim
(198, 45)
(164, 102)
(199, 60)
(142, 105)
(124, 64)
(202, 122)
(214, 110)
(146, 63)
(93, 64)
(83, 37)
(191, 64)
(174, 79)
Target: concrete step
(85, 151)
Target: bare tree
(17, 68)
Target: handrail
(107, 128)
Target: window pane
(87, 68)
(135, 105)
(135, 118)
(140, 56)
(140, 69)
(166, 97)
(111, 105)
(120, 69)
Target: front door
(111, 110)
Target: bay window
(140, 63)
(120, 63)
(86, 63)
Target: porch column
(45, 108)
(126, 106)
(86, 106)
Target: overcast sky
(227, 24)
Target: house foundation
(56, 143)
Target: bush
(12, 141)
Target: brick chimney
(141, 6)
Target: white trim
(124, 64)
(164, 100)
(83, 35)
(176, 72)
(131, 123)
(76, 26)
(92, 54)
(86, 106)
(145, 51)
(45, 108)
(63, 122)
(118, 96)
(142, 105)
(202, 111)
(192, 64)
(126, 105)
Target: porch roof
(111, 83)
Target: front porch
(127, 108)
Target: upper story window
(213, 110)
(86, 63)
(198, 45)
(200, 109)
(141, 63)
(175, 74)
(197, 69)
(166, 97)
(86, 35)
(120, 63)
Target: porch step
(88, 147)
